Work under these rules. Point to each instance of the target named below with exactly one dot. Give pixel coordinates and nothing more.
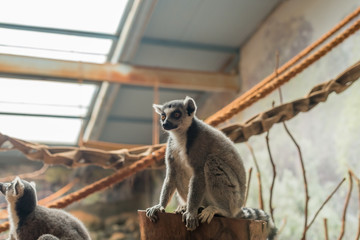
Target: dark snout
(3, 187)
(168, 125)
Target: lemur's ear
(18, 186)
(158, 108)
(190, 105)
(33, 184)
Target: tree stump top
(170, 226)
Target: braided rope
(262, 122)
(304, 52)
(267, 87)
(264, 88)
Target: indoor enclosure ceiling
(186, 35)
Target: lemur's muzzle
(168, 125)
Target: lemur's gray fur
(202, 165)
(29, 221)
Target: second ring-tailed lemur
(203, 166)
(29, 221)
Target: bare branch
(258, 174)
(343, 222)
(326, 229)
(358, 185)
(282, 227)
(248, 187)
(30, 175)
(305, 181)
(327, 199)
(273, 178)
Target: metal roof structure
(130, 52)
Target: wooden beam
(119, 73)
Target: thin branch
(273, 178)
(282, 227)
(258, 174)
(30, 175)
(327, 199)
(248, 187)
(305, 181)
(348, 196)
(326, 229)
(358, 185)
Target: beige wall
(329, 135)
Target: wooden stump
(170, 226)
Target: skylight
(80, 30)
(42, 111)
(56, 46)
(82, 15)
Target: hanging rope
(304, 52)
(271, 83)
(261, 90)
(262, 122)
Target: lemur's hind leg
(181, 208)
(209, 212)
(224, 196)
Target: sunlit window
(83, 15)
(55, 46)
(43, 111)
(25, 28)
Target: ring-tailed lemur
(203, 166)
(29, 221)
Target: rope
(262, 122)
(269, 84)
(304, 52)
(259, 91)
(110, 180)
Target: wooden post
(170, 226)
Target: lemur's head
(20, 193)
(176, 115)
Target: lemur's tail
(258, 214)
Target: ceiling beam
(118, 73)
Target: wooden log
(170, 226)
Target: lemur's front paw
(180, 209)
(151, 213)
(191, 220)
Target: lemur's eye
(163, 117)
(176, 115)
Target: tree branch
(305, 181)
(248, 187)
(273, 178)
(343, 222)
(258, 174)
(327, 199)
(326, 229)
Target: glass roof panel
(54, 46)
(69, 56)
(46, 92)
(81, 15)
(41, 129)
(44, 111)
(56, 42)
